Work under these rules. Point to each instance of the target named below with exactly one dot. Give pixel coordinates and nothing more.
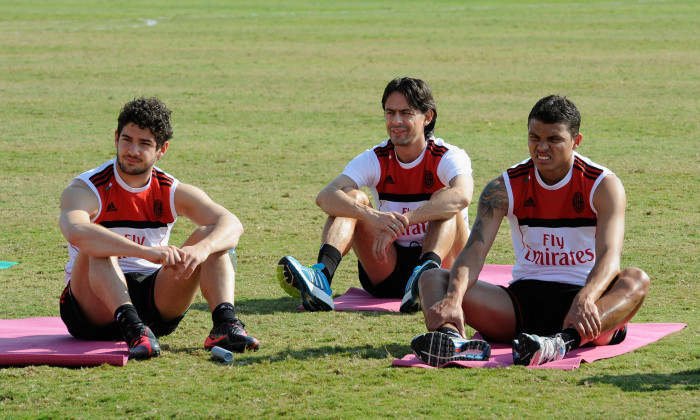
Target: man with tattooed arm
(566, 216)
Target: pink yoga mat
(45, 341)
(638, 335)
(356, 299)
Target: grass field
(270, 99)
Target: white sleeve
(364, 169)
(454, 162)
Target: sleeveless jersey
(144, 215)
(401, 187)
(553, 227)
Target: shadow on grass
(257, 306)
(283, 304)
(688, 380)
(358, 352)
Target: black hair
(555, 109)
(148, 113)
(418, 95)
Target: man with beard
(123, 280)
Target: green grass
(270, 100)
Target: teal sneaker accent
(411, 300)
(311, 283)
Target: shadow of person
(688, 380)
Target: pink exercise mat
(45, 341)
(355, 299)
(638, 335)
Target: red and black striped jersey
(144, 215)
(553, 227)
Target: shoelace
(550, 348)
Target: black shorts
(393, 286)
(540, 306)
(141, 288)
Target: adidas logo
(529, 203)
(389, 180)
(111, 207)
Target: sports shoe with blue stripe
(411, 300)
(437, 348)
(311, 283)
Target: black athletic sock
(571, 338)
(330, 257)
(222, 313)
(127, 318)
(430, 256)
(449, 330)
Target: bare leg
(215, 277)
(621, 302)
(99, 286)
(487, 308)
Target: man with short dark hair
(421, 187)
(567, 218)
(123, 280)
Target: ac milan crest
(428, 180)
(158, 208)
(578, 202)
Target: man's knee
(636, 280)
(437, 278)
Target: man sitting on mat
(567, 217)
(421, 187)
(123, 279)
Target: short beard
(135, 171)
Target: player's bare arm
(78, 206)
(445, 203)
(336, 203)
(493, 206)
(223, 228)
(610, 201)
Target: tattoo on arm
(493, 198)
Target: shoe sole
(286, 280)
(310, 301)
(409, 305)
(436, 349)
(524, 349)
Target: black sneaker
(231, 336)
(437, 348)
(142, 343)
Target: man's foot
(231, 336)
(437, 348)
(533, 350)
(411, 301)
(310, 283)
(142, 343)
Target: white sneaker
(533, 350)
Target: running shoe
(313, 287)
(533, 350)
(619, 335)
(411, 301)
(437, 348)
(286, 279)
(232, 336)
(142, 343)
